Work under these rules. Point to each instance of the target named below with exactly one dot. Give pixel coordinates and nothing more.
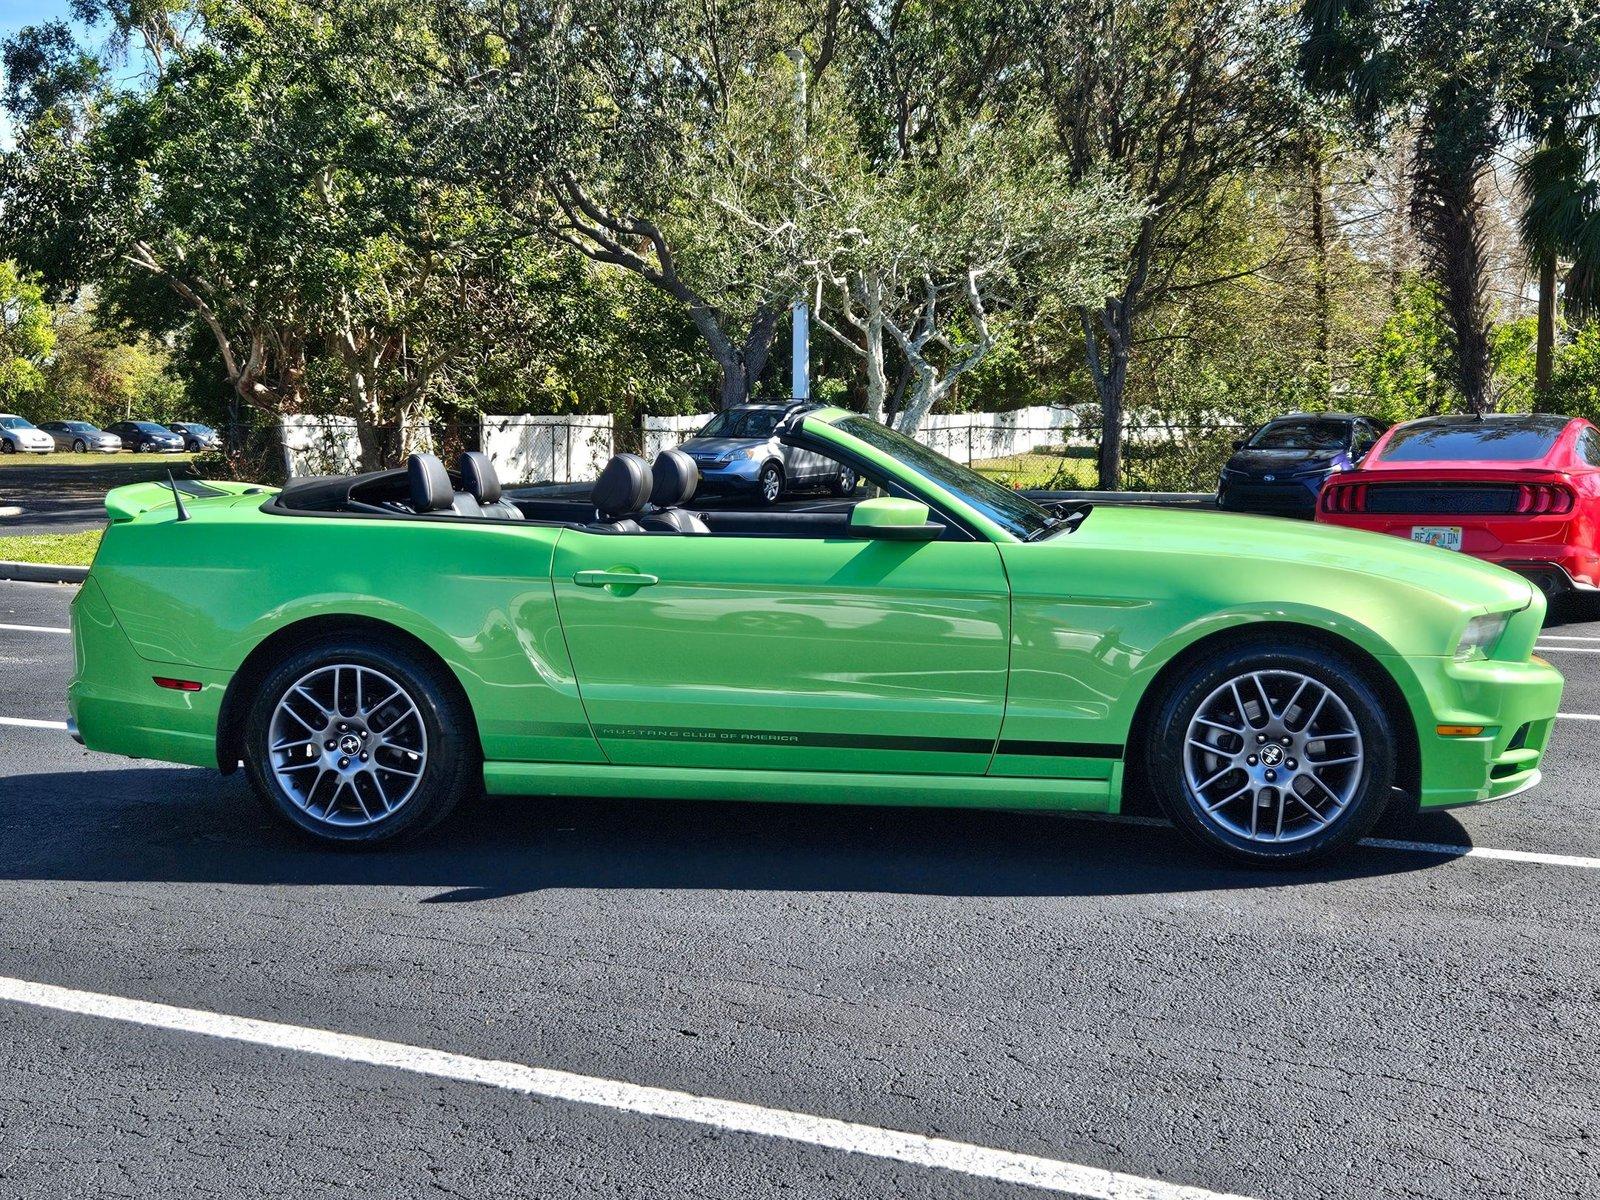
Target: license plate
(1446, 537)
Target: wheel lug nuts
(343, 727)
(1271, 775)
(344, 762)
(1285, 741)
(1292, 765)
(331, 745)
(1260, 737)
(363, 756)
(1251, 760)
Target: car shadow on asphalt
(196, 826)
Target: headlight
(1480, 636)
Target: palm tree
(1557, 110)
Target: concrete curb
(42, 572)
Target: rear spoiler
(135, 499)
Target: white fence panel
(965, 437)
(547, 449)
(315, 445)
(663, 433)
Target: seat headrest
(478, 477)
(676, 479)
(623, 487)
(430, 483)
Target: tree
(1556, 108)
(26, 336)
(623, 133)
(302, 243)
(1176, 99)
(915, 255)
(1466, 75)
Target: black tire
(844, 483)
(769, 484)
(6, 447)
(1170, 756)
(79, 446)
(452, 767)
(192, 447)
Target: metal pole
(800, 313)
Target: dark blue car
(1281, 467)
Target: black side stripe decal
(853, 741)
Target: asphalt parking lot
(1052, 999)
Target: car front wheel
(6, 447)
(769, 484)
(845, 482)
(1272, 754)
(79, 446)
(357, 743)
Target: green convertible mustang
(374, 648)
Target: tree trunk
(742, 364)
(1545, 347)
(1319, 278)
(1108, 368)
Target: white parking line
(1456, 851)
(914, 1148)
(36, 628)
(30, 723)
(1568, 637)
(1543, 649)
(1578, 716)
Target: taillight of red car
(1344, 497)
(1537, 499)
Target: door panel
(823, 654)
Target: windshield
(743, 423)
(1301, 435)
(15, 423)
(1015, 512)
(149, 427)
(1483, 441)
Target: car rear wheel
(6, 447)
(1272, 754)
(769, 484)
(357, 743)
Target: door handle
(617, 578)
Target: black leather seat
(432, 491)
(676, 478)
(621, 493)
(478, 477)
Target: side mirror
(893, 519)
(1238, 443)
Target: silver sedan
(81, 437)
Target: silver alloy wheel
(347, 745)
(847, 480)
(1272, 756)
(771, 484)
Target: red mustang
(1521, 491)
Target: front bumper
(1294, 497)
(740, 475)
(1514, 702)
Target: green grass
(1068, 468)
(57, 549)
(65, 458)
